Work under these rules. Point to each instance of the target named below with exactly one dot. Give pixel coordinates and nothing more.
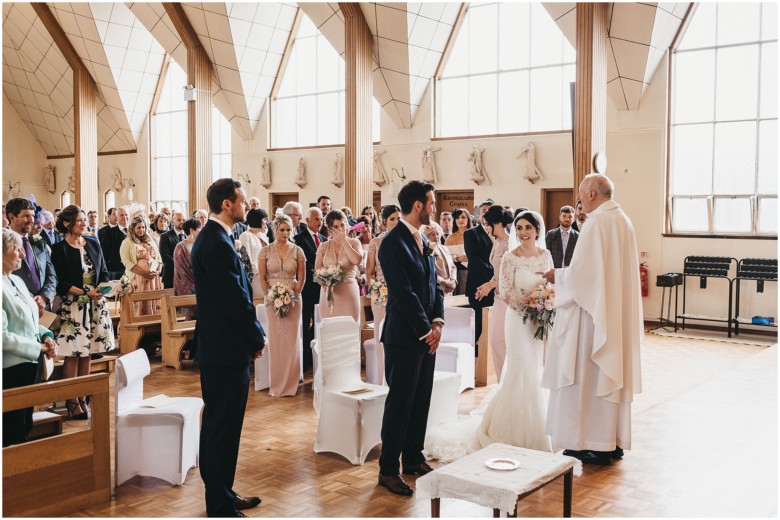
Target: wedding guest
(111, 219)
(461, 222)
(350, 218)
(497, 221)
(295, 212)
(49, 233)
(112, 244)
(364, 234)
(36, 270)
(285, 263)
(161, 225)
(202, 215)
(445, 221)
(141, 259)
(167, 244)
(85, 324)
(370, 213)
(254, 239)
(478, 245)
(347, 252)
(579, 223)
(562, 240)
(183, 279)
(325, 205)
(446, 273)
(92, 223)
(253, 202)
(24, 339)
(243, 255)
(593, 364)
(309, 241)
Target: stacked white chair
(313, 346)
(349, 424)
(444, 398)
(375, 358)
(153, 442)
(456, 351)
(262, 370)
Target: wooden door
(447, 200)
(278, 200)
(553, 200)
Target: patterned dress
(85, 324)
(346, 295)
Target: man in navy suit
(411, 335)
(309, 240)
(477, 244)
(227, 337)
(49, 234)
(111, 243)
(37, 271)
(168, 242)
(561, 241)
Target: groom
(413, 323)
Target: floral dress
(85, 324)
(145, 254)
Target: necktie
(30, 258)
(418, 239)
(316, 239)
(124, 230)
(181, 236)
(564, 240)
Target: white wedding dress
(516, 413)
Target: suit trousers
(224, 392)
(18, 423)
(409, 374)
(307, 326)
(478, 305)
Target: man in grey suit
(37, 271)
(561, 241)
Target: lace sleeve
(506, 282)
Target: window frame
(755, 197)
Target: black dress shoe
(617, 453)
(598, 458)
(395, 484)
(418, 469)
(246, 503)
(241, 515)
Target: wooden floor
(705, 444)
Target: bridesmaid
(339, 249)
(283, 262)
(496, 221)
(461, 221)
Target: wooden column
(85, 140)
(199, 70)
(358, 147)
(590, 91)
(84, 113)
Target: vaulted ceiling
(123, 46)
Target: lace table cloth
(469, 479)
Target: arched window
(723, 135)
(309, 108)
(508, 72)
(65, 199)
(221, 151)
(109, 200)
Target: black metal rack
(759, 270)
(703, 268)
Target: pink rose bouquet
(538, 305)
(281, 297)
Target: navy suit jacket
(478, 246)
(227, 332)
(414, 297)
(67, 264)
(306, 242)
(554, 244)
(168, 241)
(46, 273)
(111, 243)
(57, 237)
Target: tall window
(170, 137)
(508, 72)
(309, 109)
(221, 151)
(723, 175)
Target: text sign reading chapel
(451, 199)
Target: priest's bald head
(595, 189)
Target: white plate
(502, 464)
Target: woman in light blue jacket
(24, 340)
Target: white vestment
(593, 366)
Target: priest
(593, 366)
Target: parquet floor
(705, 444)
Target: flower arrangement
(378, 291)
(429, 248)
(124, 285)
(537, 305)
(328, 277)
(36, 240)
(281, 297)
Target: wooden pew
(175, 333)
(59, 475)
(131, 327)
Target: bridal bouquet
(537, 305)
(281, 298)
(378, 290)
(328, 277)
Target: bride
(517, 412)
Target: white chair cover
(456, 351)
(375, 358)
(349, 424)
(154, 442)
(261, 363)
(444, 398)
(314, 360)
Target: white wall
(24, 160)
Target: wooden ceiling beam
(182, 24)
(58, 35)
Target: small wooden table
(470, 479)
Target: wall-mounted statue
(476, 168)
(338, 178)
(429, 164)
(380, 175)
(117, 180)
(72, 180)
(527, 157)
(51, 180)
(266, 182)
(300, 178)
